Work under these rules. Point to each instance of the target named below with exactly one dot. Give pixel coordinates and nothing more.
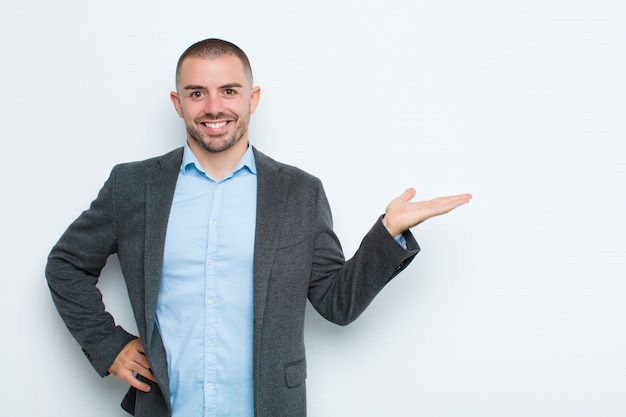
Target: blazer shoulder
(171, 160)
(266, 164)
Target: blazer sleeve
(72, 272)
(339, 290)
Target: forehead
(212, 71)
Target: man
(220, 247)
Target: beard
(217, 143)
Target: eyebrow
(201, 87)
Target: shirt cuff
(401, 240)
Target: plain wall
(516, 304)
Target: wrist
(393, 231)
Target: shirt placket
(212, 304)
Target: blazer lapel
(272, 189)
(160, 185)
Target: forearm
(79, 303)
(341, 291)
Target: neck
(219, 164)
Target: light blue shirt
(205, 305)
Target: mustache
(214, 116)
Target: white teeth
(215, 125)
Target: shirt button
(209, 343)
(209, 386)
(210, 302)
(210, 262)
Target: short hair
(213, 49)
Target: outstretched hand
(130, 361)
(402, 214)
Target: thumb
(408, 194)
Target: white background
(516, 304)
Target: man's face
(216, 99)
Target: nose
(213, 105)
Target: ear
(255, 96)
(176, 101)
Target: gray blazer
(297, 256)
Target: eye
(196, 94)
(230, 92)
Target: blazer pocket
(294, 239)
(295, 373)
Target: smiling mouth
(215, 125)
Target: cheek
(189, 112)
(247, 108)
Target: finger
(146, 373)
(141, 360)
(140, 365)
(130, 361)
(460, 199)
(130, 376)
(133, 361)
(141, 386)
(444, 205)
(136, 383)
(437, 206)
(463, 198)
(136, 354)
(451, 199)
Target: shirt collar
(190, 160)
